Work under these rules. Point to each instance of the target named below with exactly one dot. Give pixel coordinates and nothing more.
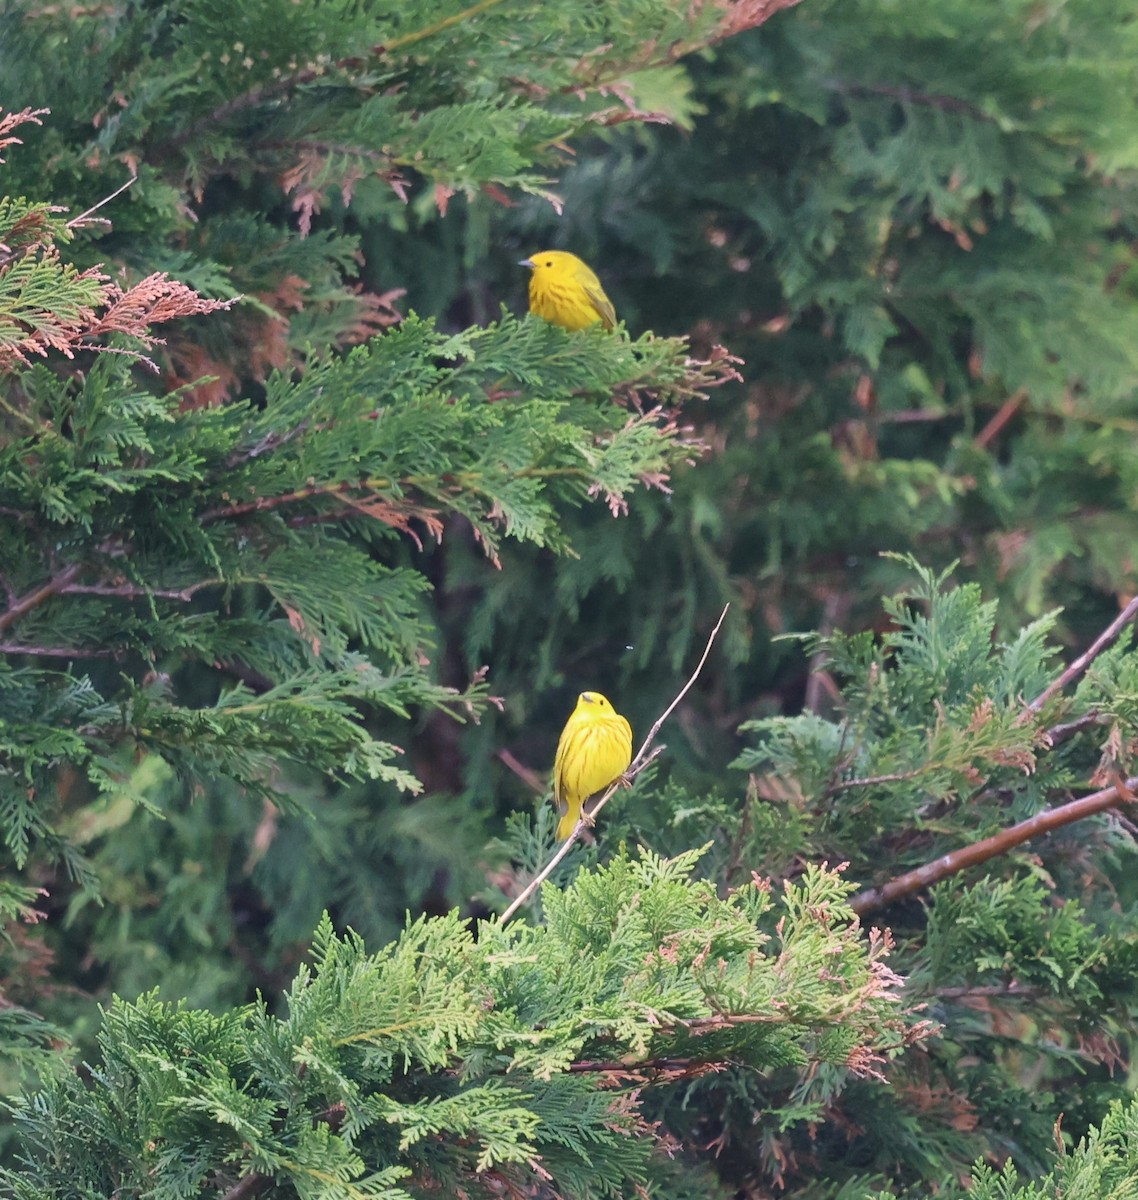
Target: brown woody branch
(1011, 990)
(907, 95)
(251, 1185)
(64, 584)
(249, 99)
(1053, 737)
(589, 1067)
(991, 847)
(1003, 415)
(33, 599)
(55, 651)
(134, 591)
(267, 503)
(671, 1067)
(527, 775)
(1066, 730)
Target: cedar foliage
(917, 232)
(462, 1059)
(232, 567)
(916, 227)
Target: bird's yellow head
(593, 702)
(552, 263)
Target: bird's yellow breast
(565, 291)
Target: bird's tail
(568, 822)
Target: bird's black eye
(549, 262)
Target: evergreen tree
(247, 597)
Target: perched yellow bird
(564, 291)
(594, 751)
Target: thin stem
(1013, 990)
(633, 1070)
(908, 95)
(249, 99)
(267, 503)
(23, 417)
(272, 441)
(1003, 415)
(529, 777)
(1079, 667)
(76, 222)
(456, 480)
(54, 651)
(409, 39)
(911, 416)
(1058, 734)
(843, 785)
(34, 599)
(568, 843)
(134, 591)
(685, 689)
(251, 1185)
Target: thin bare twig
(1079, 667)
(908, 95)
(725, 1021)
(818, 679)
(644, 756)
(35, 598)
(1066, 730)
(528, 776)
(77, 222)
(55, 651)
(845, 785)
(265, 503)
(968, 856)
(270, 443)
(567, 845)
(1004, 414)
(633, 1070)
(409, 39)
(683, 691)
(1011, 990)
(908, 416)
(132, 591)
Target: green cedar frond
(454, 1052)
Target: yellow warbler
(564, 291)
(594, 750)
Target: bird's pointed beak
(526, 262)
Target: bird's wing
(600, 302)
(559, 763)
